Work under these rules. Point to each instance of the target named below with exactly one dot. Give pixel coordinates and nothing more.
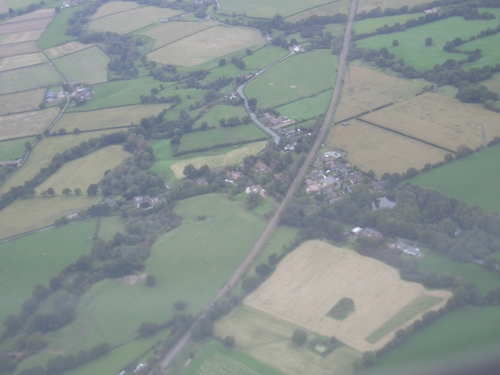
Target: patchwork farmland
(28, 78)
(300, 291)
(26, 124)
(25, 36)
(65, 49)
(88, 66)
(21, 102)
(267, 9)
(20, 61)
(170, 32)
(114, 7)
(7, 50)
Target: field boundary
(175, 41)
(364, 113)
(308, 9)
(406, 135)
(305, 97)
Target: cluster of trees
(468, 93)
(30, 8)
(234, 121)
(154, 99)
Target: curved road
(273, 223)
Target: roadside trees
(299, 337)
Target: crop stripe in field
(364, 113)
(71, 53)
(406, 135)
(184, 37)
(222, 365)
(308, 9)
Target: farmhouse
(380, 185)
(254, 189)
(73, 216)
(366, 232)
(261, 167)
(406, 248)
(51, 95)
(145, 202)
(298, 48)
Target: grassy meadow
(294, 78)
(219, 112)
(458, 334)
(371, 24)
(213, 137)
(307, 108)
(328, 9)
(170, 32)
(109, 226)
(493, 83)
(267, 9)
(489, 49)
(412, 46)
(113, 7)
(37, 258)
(264, 57)
(31, 77)
(88, 66)
(14, 149)
(26, 123)
(55, 34)
(479, 188)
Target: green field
(414, 308)
(479, 188)
(88, 66)
(216, 359)
(264, 57)
(37, 258)
(493, 84)
(42, 75)
(112, 311)
(371, 24)
(412, 46)
(329, 9)
(220, 112)
(209, 138)
(267, 9)
(489, 49)
(307, 108)
(294, 78)
(484, 280)
(55, 33)
(458, 334)
(13, 149)
(109, 226)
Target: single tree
(27, 145)
(150, 280)
(395, 43)
(248, 51)
(92, 190)
(229, 342)
(78, 191)
(51, 191)
(222, 62)
(299, 337)
(66, 191)
(428, 41)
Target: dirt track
(273, 223)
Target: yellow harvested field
(316, 275)
(438, 119)
(37, 14)
(170, 32)
(369, 147)
(232, 157)
(27, 123)
(131, 20)
(18, 49)
(108, 118)
(207, 45)
(267, 338)
(20, 61)
(42, 155)
(371, 4)
(25, 36)
(114, 7)
(21, 101)
(17, 27)
(367, 89)
(90, 169)
(66, 49)
(29, 214)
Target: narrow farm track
(273, 223)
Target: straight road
(273, 223)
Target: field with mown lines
(65, 49)
(27, 78)
(437, 119)
(17, 27)
(329, 9)
(26, 123)
(113, 7)
(267, 339)
(108, 118)
(88, 66)
(37, 14)
(314, 277)
(131, 20)
(21, 37)
(206, 45)
(268, 8)
(170, 32)
(90, 169)
(21, 101)
(17, 49)
(21, 61)
(363, 143)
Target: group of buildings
(403, 246)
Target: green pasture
(282, 236)
(412, 46)
(14, 149)
(484, 279)
(328, 9)
(456, 335)
(489, 48)
(88, 66)
(474, 179)
(215, 357)
(213, 137)
(28, 78)
(190, 263)
(37, 258)
(55, 34)
(371, 24)
(414, 308)
(109, 226)
(264, 57)
(307, 108)
(220, 112)
(267, 9)
(493, 83)
(296, 77)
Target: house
(254, 189)
(380, 185)
(261, 167)
(369, 232)
(201, 181)
(333, 154)
(233, 175)
(110, 202)
(355, 177)
(297, 48)
(407, 249)
(356, 231)
(277, 177)
(73, 216)
(145, 202)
